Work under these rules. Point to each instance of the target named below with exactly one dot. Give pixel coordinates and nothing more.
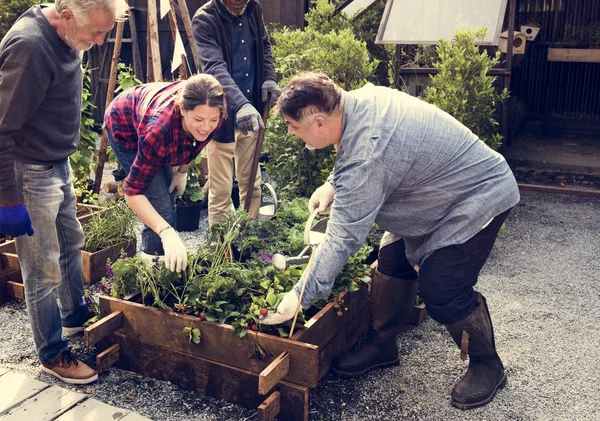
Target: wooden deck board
(16, 388)
(93, 410)
(47, 405)
(132, 416)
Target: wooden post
(110, 94)
(187, 24)
(254, 169)
(153, 41)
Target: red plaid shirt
(145, 118)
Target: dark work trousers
(447, 276)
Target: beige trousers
(220, 175)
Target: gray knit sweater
(40, 98)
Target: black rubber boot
(392, 301)
(474, 335)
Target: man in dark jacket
(234, 47)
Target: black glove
(248, 119)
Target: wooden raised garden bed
(94, 264)
(149, 341)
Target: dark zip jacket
(212, 37)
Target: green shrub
(296, 171)
(462, 86)
(10, 10)
(322, 18)
(338, 54)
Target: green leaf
(271, 299)
(196, 335)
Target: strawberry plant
(218, 288)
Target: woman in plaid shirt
(156, 130)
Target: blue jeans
(51, 259)
(157, 194)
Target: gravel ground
(541, 284)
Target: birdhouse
(530, 30)
(519, 41)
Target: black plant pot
(188, 216)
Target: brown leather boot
(70, 370)
(474, 335)
(392, 301)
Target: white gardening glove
(175, 252)
(322, 198)
(285, 310)
(178, 181)
(248, 119)
(269, 86)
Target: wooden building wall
(559, 92)
(279, 12)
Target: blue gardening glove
(248, 119)
(14, 220)
(269, 86)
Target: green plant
(220, 288)
(10, 10)
(126, 78)
(110, 227)
(295, 170)
(364, 25)
(81, 160)
(193, 190)
(329, 45)
(462, 86)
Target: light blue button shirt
(414, 170)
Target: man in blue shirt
(234, 47)
(439, 192)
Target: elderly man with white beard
(40, 109)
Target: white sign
(179, 50)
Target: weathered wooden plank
(94, 264)
(15, 388)
(345, 338)
(16, 289)
(102, 328)
(107, 358)
(93, 410)
(419, 312)
(324, 325)
(579, 55)
(47, 405)
(8, 247)
(9, 262)
(274, 373)
(211, 378)
(270, 408)
(132, 416)
(5, 292)
(164, 328)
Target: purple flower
(123, 255)
(109, 271)
(105, 286)
(266, 257)
(155, 260)
(88, 300)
